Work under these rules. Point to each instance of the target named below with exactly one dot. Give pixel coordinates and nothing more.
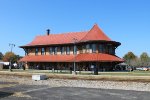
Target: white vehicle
(142, 68)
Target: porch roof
(95, 57)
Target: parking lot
(15, 91)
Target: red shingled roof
(48, 58)
(70, 58)
(94, 34)
(57, 38)
(98, 57)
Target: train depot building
(74, 50)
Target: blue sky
(126, 21)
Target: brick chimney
(48, 31)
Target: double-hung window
(101, 48)
(55, 50)
(62, 49)
(68, 50)
(87, 48)
(75, 49)
(26, 51)
(36, 51)
(51, 50)
(43, 51)
(93, 48)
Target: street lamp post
(11, 48)
(74, 49)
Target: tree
(10, 56)
(18, 57)
(129, 58)
(144, 59)
(135, 62)
(1, 55)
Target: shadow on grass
(5, 94)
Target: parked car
(130, 68)
(148, 68)
(142, 69)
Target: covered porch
(79, 66)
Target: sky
(125, 21)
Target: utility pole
(74, 63)
(11, 48)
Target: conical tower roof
(96, 34)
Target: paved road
(13, 91)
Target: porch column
(26, 65)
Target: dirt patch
(21, 94)
(6, 85)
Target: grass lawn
(139, 76)
(133, 73)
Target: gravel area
(124, 85)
